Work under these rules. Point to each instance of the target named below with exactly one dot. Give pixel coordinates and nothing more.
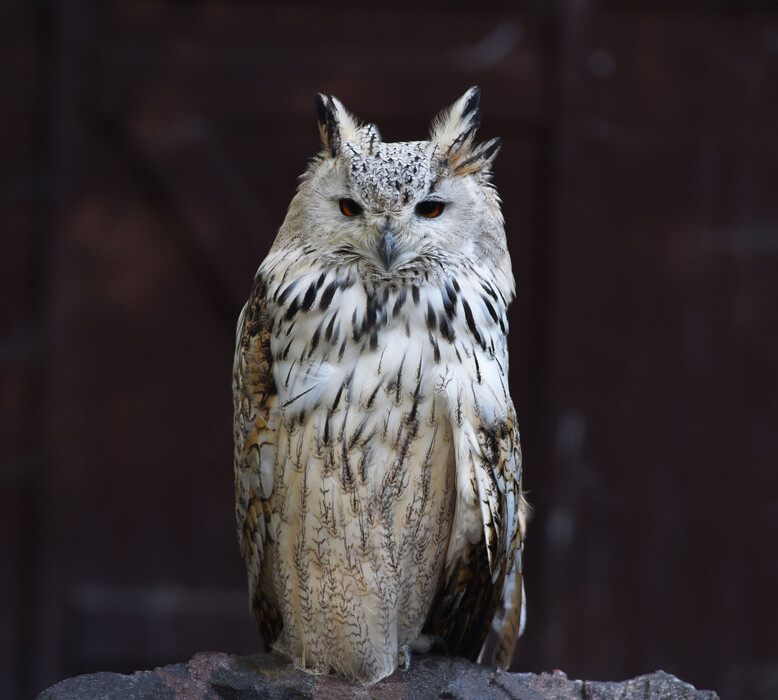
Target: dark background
(149, 151)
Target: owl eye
(430, 208)
(348, 207)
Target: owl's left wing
(482, 579)
(505, 526)
(254, 398)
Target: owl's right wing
(254, 398)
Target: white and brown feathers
(377, 458)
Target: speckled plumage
(377, 458)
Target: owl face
(391, 206)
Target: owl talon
(404, 656)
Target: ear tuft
(336, 125)
(328, 122)
(453, 130)
(479, 158)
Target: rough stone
(216, 676)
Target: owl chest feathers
(340, 340)
(377, 384)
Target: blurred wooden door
(153, 149)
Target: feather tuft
(453, 131)
(336, 125)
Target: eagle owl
(377, 457)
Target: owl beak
(386, 247)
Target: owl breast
(365, 486)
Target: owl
(377, 458)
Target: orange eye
(348, 207)
(430, 208)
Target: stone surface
(215, 676)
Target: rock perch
(213, 676)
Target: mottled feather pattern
(377, 461)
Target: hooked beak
(386, 247)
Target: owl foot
(426, 643)
(404, 656)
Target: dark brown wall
(149, 150)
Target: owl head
(393, 207)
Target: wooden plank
(23, 192)
(159, 622)
(664, 349)
(260, 63)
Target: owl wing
(482, 579)
(254, 398)
(508, 621)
